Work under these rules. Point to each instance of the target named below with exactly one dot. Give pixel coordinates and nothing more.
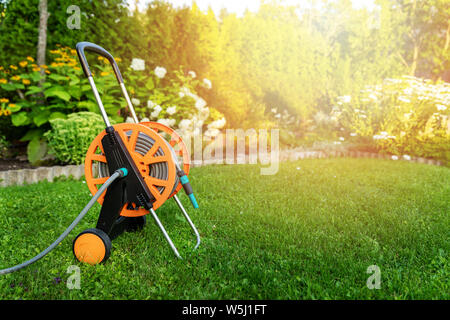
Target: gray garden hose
(118, 173)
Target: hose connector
(187, 188)
(123, 172)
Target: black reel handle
(88, 46)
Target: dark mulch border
(14, 164)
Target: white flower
(129, 120)
(353, 134)
(192, 74)
(156, 111)
(373, 97)
(150, 104)
(217, 124)
(197, 122)
(145, 119)
(212, 132)
(171, 110)
(441, 107)
(204, 113)
(341, 138)
(207, 83)
(185, 124)
(167, 122)
(185, 90)
(408, 91)
(135, 101)
(394, 158)
(406, 157)
(137, 64)
(200, 104)
(383, 135)
(346, 99)
(117, 20)
(278, 116)
(196, 131)
(273, 110)
(337, 142)
(160, 72)
(404, 99)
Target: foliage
(407, 116)
(4, 144)
(425, 25)
(296, 59)
(70, 138)
(100, 22)
(155, 96)
(65, 90)
(170, 99)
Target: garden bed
(14, 164)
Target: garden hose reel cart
(149, 153)
(131, 169)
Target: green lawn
(308, 232)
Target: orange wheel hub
(89, 248)
(159, 153)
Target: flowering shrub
(33, 100)
(34, 95)
(407, 116)
(173, 100)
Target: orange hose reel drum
(129, 133)
(176, 143)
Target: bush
(407, 116)
(70, 138)
(64, 91)
(171, 98)
(168, 99)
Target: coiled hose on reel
(157, 170)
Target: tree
(102, 22)
(42, 39)
(425, 27)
